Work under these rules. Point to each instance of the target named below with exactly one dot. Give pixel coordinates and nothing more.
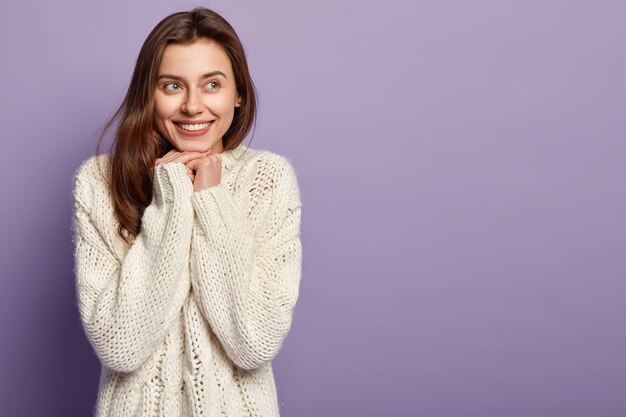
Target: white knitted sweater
(187, 319)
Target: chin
(192, 147)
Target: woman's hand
(207, 169)
(184, 157)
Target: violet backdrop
(461, 167)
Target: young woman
(187, 244)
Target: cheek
(164, 107)
(226, 109)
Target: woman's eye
(213, 85)
(171, 86)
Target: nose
(192, 103)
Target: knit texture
(187, 318)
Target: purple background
(462, 171)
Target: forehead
(199, 57)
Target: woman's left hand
(208, 171)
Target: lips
(193, 128)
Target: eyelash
(175, 83)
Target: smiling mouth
(193, 127)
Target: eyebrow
(207, 75)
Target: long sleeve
(246, 262)
(127, 305)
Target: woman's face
(196, 96)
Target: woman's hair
(137, 144)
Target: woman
(188, 252)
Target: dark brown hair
(137, 144)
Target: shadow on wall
(52, 358)
(72, 363)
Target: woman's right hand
(176, 156)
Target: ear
(238, 102)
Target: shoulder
(271, 171)
(263, 174)
(269, 166)
(92, 165)
(90, 178)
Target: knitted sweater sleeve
(246, 266)
(127, 305)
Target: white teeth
(194, 127)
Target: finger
(193, 164)
(188, 156)
(171, 156)
(165, 158)
(197, 163)
(202, 156)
